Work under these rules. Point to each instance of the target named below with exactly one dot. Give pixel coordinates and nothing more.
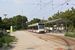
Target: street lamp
(5, 15)
(5, 21)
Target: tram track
(48, 39)
(60, 40)
(67, 39)
(64, 37)
(70, 42)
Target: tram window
(29, 27)
(33, 27)
(41, 26)
(36, 27)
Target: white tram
(38, 27)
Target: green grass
(70, 34)
(73, 35)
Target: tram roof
(35, 24)
(61, 20)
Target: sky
(34, 8)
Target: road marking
(60, 49)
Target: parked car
(8, 31)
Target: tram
(38, 27)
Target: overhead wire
(55, 7)
(45, 3)
(19, 3)
(41, 9)
(33, 11)
(61, 7)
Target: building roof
(61, 20)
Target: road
(27, 41)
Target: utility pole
(5, 22)
(40, 4)
(43, 19)
(22, 19)
(52, 4)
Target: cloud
(3, 0)
(25, 1)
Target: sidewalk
(59, 34)
(27, 41)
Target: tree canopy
(35, 20)
(68, 14)
(16, 21)
(21, 21)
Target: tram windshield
(41, 26)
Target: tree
(35, 20)
(43, 21)
(20, 21)
(68, 14)
(15, 21)
(0, 19)
(50, 18)
(24, 22)
(0, 22)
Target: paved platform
(27, 41)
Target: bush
(6, 39)
(1, 34)
(71, 27)
(69, 34)
(73, 35)
(1, 42)
(66, 34)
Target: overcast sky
(32, 9)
